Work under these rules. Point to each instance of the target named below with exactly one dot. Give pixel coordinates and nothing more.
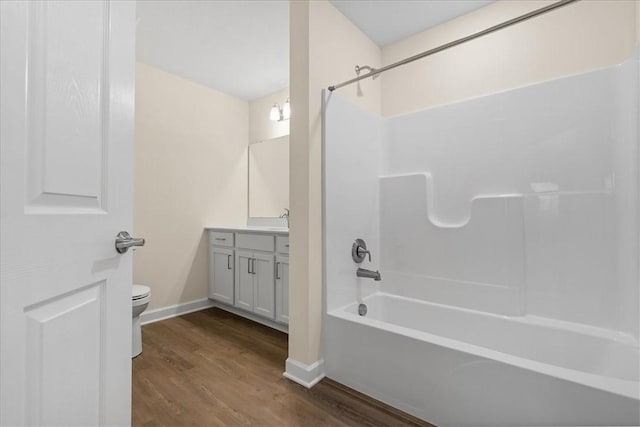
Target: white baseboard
(175, 310)
(306, 375)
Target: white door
(221, 274)
(67, 105)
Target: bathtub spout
(363, 272)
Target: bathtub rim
(625, 388)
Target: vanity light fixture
(278, 114)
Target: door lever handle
(124, 241)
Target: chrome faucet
(369, 274)
(359, 251)
(285, 215)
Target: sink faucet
(285, 215)
(363, 272)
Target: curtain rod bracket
(370, 69)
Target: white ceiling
(388, 21)
(241, 47)
(238, 47)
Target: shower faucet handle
(359, 251)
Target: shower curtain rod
(445, 46)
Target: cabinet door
(221, 274)
(282, 289)
(264, 285)
(244, 280)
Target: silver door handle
(253, 266)
(124, 241)
(228, 262)
(277, 271)
(249, 265)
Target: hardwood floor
(212, 368)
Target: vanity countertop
(253, 229)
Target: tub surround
(545, 175)
(249, 272)
(506, 231)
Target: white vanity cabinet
(255, 284)
(255, 276)
(282, 279)
(249, 273)
(244, 281)
(221, 267)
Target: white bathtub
(453, 366)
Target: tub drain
(362, 309)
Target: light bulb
(286, 110)
(274, 115)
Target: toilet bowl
(140, 298)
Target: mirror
(269, 177)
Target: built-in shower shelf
(420, 186)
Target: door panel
(221, 281)
(244, 280)
(264, 283)
(66, 159)
(67, 104)
(282, 289)
(62, 344)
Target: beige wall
(325, 47)
(579, 37)
(260, 127)
(190, 172)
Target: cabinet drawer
(221, 238)
(282, 244)
(255, 242)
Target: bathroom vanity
(249, 264)
(249, 272)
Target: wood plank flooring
(213, 368)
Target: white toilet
(141, 295)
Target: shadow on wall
(174, 276)
(198, 272)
